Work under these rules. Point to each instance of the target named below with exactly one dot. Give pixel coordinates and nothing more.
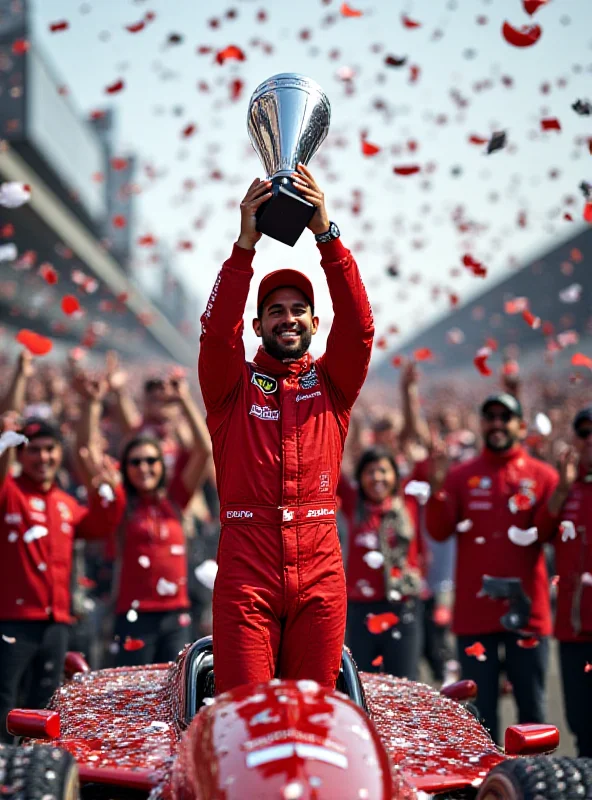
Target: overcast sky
(462, 90)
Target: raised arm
(195, 469)
(92, 392)
(349, 344)
(222, 352)
(415, 428)
(14, 399)
(442, 507)
(128, 416)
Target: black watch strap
(328, 236)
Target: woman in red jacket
(382, 574)
(152, 621)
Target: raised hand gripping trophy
(288, 120)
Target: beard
(499, 445)
(273, 345)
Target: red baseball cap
(285, 277)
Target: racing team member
(491, 502)
(38, 525)
(278, 427)
(571, 512)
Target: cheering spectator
(493, 503)
(383, 575)
(571, 511)
(150, 585)
(38, 525)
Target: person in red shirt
(383, 573)
(152, 623)
(570, 510)
(38, 525)
(278, 426)
(494, 504)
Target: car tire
(539, 778)
(34, 772)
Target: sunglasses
(584, 433)
(491, 416)
(150, 460)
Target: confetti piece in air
(525, 36)
(136, 27)
(474, 139)
(550, 124)
(582, 107)
(70, 304)
(369, 149)
(229, 53)
(411, 169)
(206, 573)
(8, 639)
(35, 343)
(147, 240)
(377, 662)
(533, 321)
(571, 294)
(115, 87)
(516, 306)
(588, 213)
(14, 194)
(421, 490)
(409, 23)
(477, 650)
(379, 623)
(8, 252)
(587, 668)
(395, 61)
(567, 530)
(532, 6)
(56, 27)
(497, 142)
(348, 11)
(133, 644)
(20, 47)
(423, 354)
(48, 274)
(522, 537)
(581, 360)
(188, 130)
(480, 361)
(397, 361)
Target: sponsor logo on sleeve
(239, 515)
(264, 382)
(320, 512)
(264, 412)
(325, 482)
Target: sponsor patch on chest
(264, 412)
(264, 382)
(309, 380)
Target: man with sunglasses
(494, 504)
(570, 511)
(278, 426)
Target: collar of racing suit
(282, 368)
(496, 457)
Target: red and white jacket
(37, 532)
(488, 495)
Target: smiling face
(41, 459)
(144, 468)
(286, 325)
(500, 428)
(378, 480)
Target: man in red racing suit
(278, 427)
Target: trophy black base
(285, 215)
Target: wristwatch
(328, 236)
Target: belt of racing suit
(302, 514)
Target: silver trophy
(288, 120)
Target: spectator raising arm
(129, 418)
(415, 428)
(195, 469)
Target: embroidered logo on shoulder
(310, 379)
(264, 382)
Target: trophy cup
(288, 120)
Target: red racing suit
(278, 431)
(490, 494)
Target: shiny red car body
(138, 729)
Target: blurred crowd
(118, 464)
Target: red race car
(157, 731)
